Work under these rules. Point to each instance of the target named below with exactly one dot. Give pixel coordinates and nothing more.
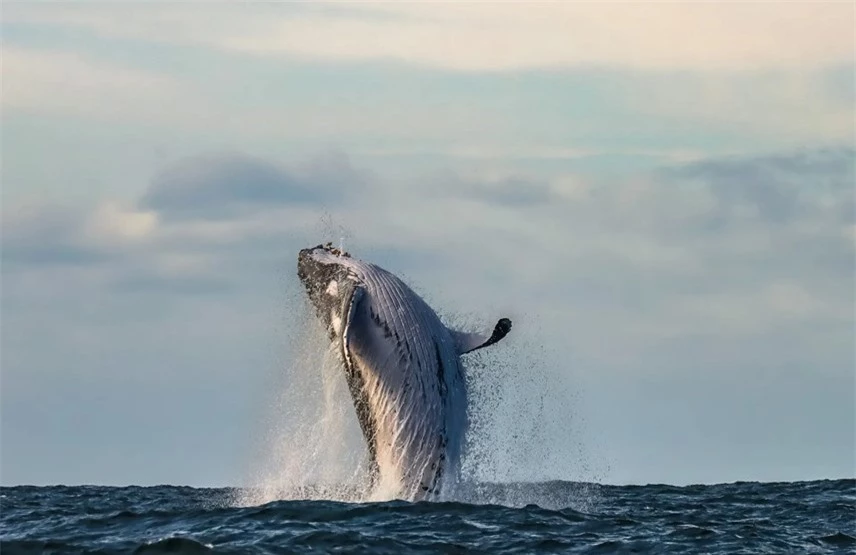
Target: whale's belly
(410, 384)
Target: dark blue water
(799, 517)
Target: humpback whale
(402, 366)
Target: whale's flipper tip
(501, 329)
(469, 342)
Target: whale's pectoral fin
(468, 342)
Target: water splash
(312, 447)
(523, 426)
(330, 226)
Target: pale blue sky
(660, 195)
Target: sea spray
(522, 427)
(525, 424)
(524, 421)
(312, 447)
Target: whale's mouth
(356, 382)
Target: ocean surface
(553, 517)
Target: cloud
(563, 35)
(60, 82)
(775, 187)
(46, 236)
(111, 220)
(222, 183)
(784, 103)
(510, 190)
(576, 114)
(158, 285)
(771, 227)
(826, 162)
(497, 37)
(51, 255)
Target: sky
(660, 196)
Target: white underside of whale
(412, 380)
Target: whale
(403, 369)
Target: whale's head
(329, 282)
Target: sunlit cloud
(64, 83)
(498, 36)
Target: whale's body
(403, 370)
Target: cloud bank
(497, 37)
(647, 288)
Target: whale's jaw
(328, 283)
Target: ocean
(550, 517)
